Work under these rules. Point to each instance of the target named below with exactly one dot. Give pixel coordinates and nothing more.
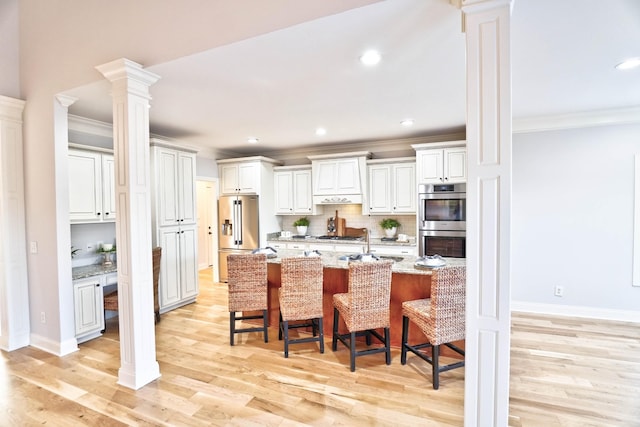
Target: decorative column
(487, 28)
(14, 287)
(130, 92)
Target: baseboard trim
(54, 347)
(576, 311)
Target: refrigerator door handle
(239, 221)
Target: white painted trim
(577, 120)
(54, 347)
(636, 225)
(576, 311)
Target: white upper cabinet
(392, 186)
(241, 178)
(175, 174)
(293, 191)
(441, 163)
(91, 186)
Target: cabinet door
(167, 187)
(188, 262)
(187, 188)
(87, 298)
(249, 178)
(430, 164)
(108, 187)
(380, 189)
(229, 176)
(85, 186)
(302, 192)
(455, 165)
(404, 188)
(283, 191)
(169, 283)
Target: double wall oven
(442, 220)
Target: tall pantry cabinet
(174, 217)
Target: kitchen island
(407, 283)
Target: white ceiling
(280, 86)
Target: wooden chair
(247, 292)
(441, 318)
(300, 298)
(365, 308)
(110, 300)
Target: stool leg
(334, 341)
(285, 328)
(280, 327)
(265, 322)
(232, 326)
(352, 351)
(321, 334)
(435, 351)
(405, 340)
(387, 346)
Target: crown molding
(577, 120)
(90, 126)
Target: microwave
(442, 207)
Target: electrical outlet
(43, 318)
(558, 291)
(33, 247)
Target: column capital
(66, 100)
(126, 71)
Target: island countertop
(332, 260)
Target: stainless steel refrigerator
(238, 231)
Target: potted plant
(390, 226)
(301, 225)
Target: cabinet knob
(98, 213)
(106, 213)
(97, 285)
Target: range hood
(339, 178)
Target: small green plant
(300, 222)
(388, 223)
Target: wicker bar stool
(441, 318)
(365, 308)
(300, 298)
(247, 292)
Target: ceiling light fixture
(407, 122)
(252, 140)
(321, 131)
(628, 64)
(370, 57)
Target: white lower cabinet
(88, 307)
(179, 266)
(394, 250)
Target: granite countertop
(375, 241)
(93, 270)
(331, 260)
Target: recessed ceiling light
(407, 122)
(628, 64)
(370, 57)
(321, 131)
(252, 140)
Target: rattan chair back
(369, 295)
(247, 280)
(301, 288)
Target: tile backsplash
(354, 218)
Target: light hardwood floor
(564, 372)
